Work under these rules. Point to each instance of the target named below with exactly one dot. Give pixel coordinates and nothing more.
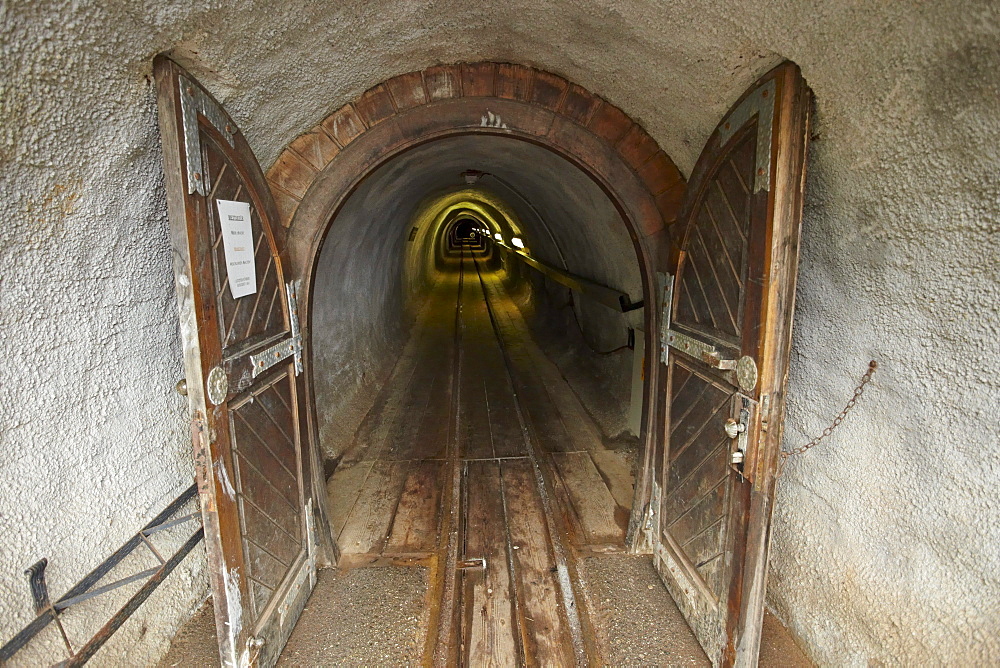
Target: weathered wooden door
(726, 335)
(243, 361)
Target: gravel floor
(378, 617)
(362, 617)
(636, 621)
(359, 617)
(195, 644)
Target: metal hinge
(667, 299)
(282, 350)
(745, 367)
(706, 352)
(194, 103)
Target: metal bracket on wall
(194, 102)
(86, 589)
(282, 350)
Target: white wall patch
(491, 120)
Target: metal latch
(478, 563)
(706, 352)
(282, 350)
(736, 429)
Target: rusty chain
(858, 391)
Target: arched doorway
(750, 169)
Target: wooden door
(726, 335)
(243, 361)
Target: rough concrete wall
(94, 437)
(360, 306)
(885, 547)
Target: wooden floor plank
(508, 440)
(368, 524)
(431, 441)
(415, 528)
(489, 631)
(475, 438)
(601, 520)
(617, 475)
(546, 639)
(342, 491)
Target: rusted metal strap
(81, 591)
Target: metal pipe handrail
(48, 612)
(602, 294)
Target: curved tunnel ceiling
(369, 270)
(562, 215)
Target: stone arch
(322, 167)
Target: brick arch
(552, 110)
(319, 170)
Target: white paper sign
(237, 241)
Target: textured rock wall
(885, 544)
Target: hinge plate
(282, 350)
(194, 101)
(666, 304)
(705, 352)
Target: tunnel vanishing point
(528, 334)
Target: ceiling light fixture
(472, 176)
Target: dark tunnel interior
(389, 246)
(476, 376)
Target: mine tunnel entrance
(500, 444)
(449, 319)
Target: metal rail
(84, 590)
(602, 294)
